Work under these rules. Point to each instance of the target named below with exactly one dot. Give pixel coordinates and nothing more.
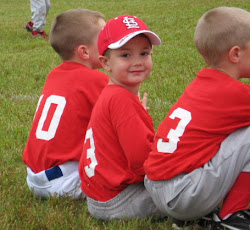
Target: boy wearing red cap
(53, 150)
(120, 132)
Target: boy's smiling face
(131, 64)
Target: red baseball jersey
(118, 140)
(62, 115)
(213, 106)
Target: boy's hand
(144, 101)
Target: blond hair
(219, 29)
(73, 28)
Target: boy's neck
(229, 70)
(80, 61)
(132, 89)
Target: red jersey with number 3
(118, 140)
(213, 106)
(62, 115)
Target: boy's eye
(145, 53)
(125, 55)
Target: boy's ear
(104, 62)
(83, 52)
(234, 54)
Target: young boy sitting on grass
(53, 150)
(120, 132)
(201, 154)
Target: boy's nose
(137, 61)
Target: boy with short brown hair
(53, 150)
(201, 154)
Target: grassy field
(24, 65)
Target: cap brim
(153, 37)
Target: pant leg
(66, 185)
(191, 196)
(39, 13)
(132, 202)
(48, 5)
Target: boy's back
(213, 106)
(123, 133)
(62, 115)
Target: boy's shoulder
(73, 77)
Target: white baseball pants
(62, 180)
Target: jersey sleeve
(135, 131)
(136, 141)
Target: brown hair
(219, 29)
(73, 28)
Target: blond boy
(53, 150)
(201, 154)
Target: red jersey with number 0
(213, 106)
(62, 115)
(117, 143)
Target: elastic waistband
(62, 170)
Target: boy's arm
(136, 140)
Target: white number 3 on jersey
(174, 134)
(90, 169)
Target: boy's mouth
(136, 71)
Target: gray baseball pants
(132, 202)
(39, 10)
(194, 195)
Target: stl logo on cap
(130, 23)
(118, 31)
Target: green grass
(24, 66)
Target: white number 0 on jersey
(50, 133)
(174, 134)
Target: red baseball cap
(118, 31)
